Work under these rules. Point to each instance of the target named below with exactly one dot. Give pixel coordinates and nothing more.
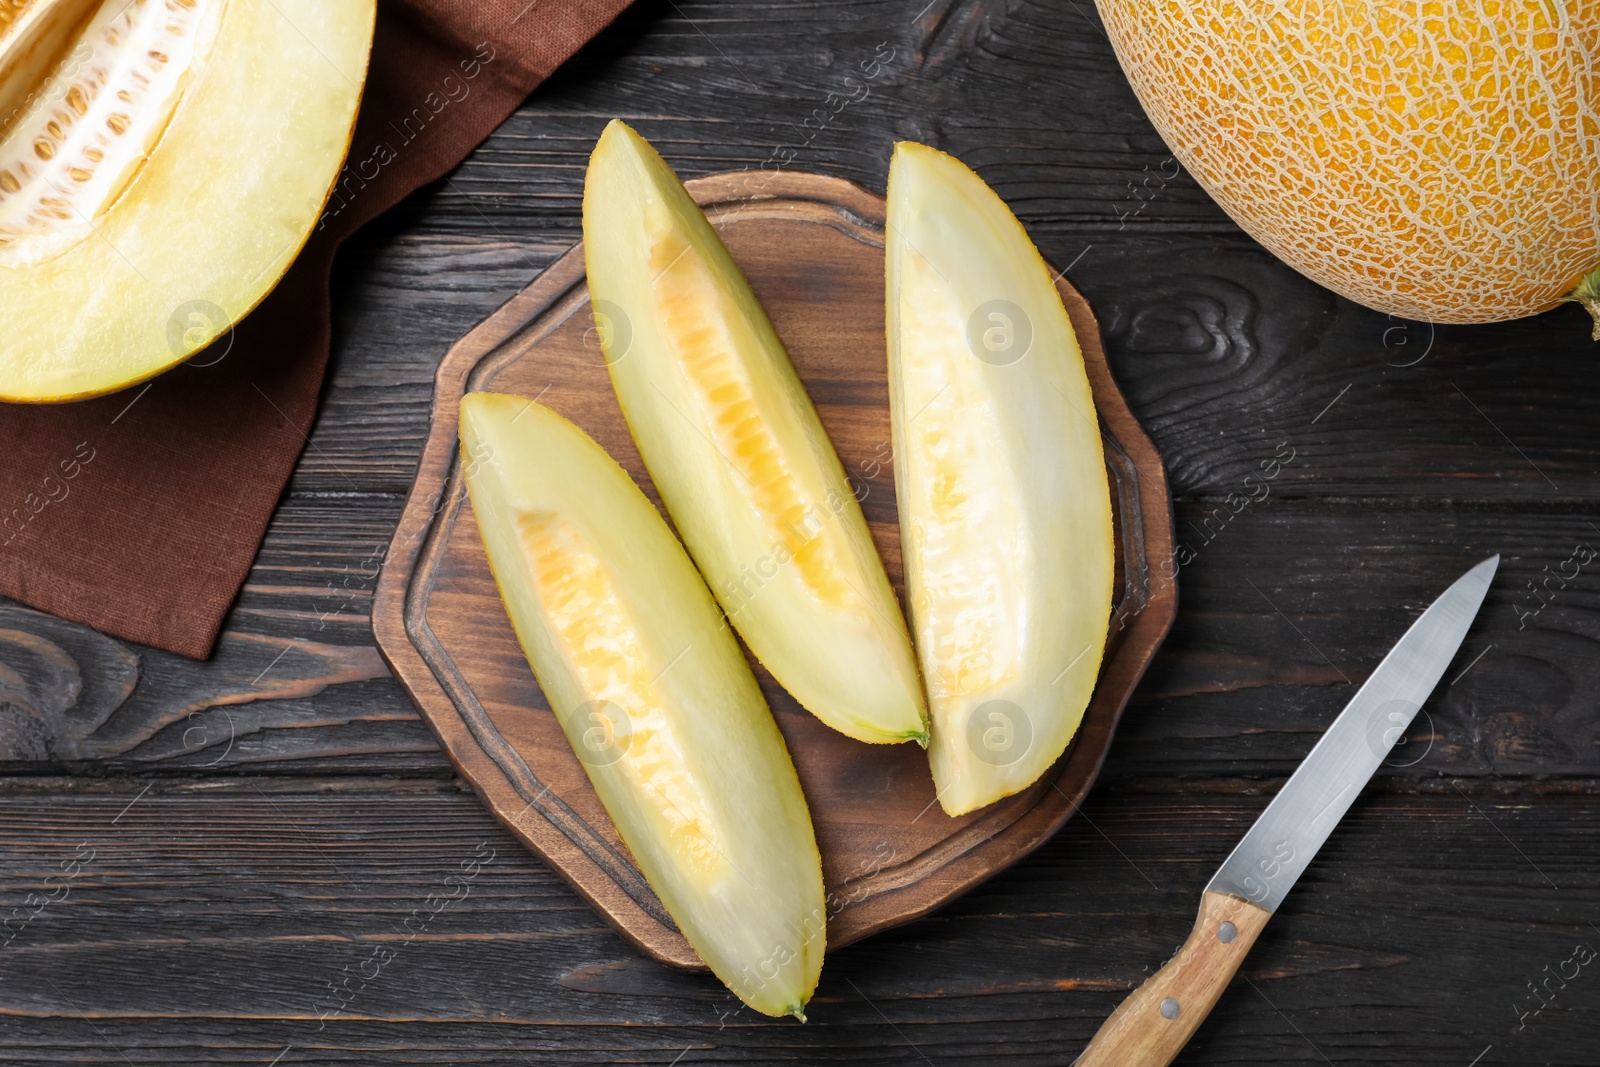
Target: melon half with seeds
(654, 695)
(738, 453)
(161, 163)
(1439, 160)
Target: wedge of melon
(654, 694)
(161, 162)
(738, 453)
(1005, 509)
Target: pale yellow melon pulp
(593, 627)
(159, 180)
(694, 312)
(1435, 160)
(1005, 506)
(738, 453)
(654, 694)
(971, 542)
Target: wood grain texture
(221, 927)
(812, 250)
(214, 923)
(1235, 693)
(1157, 1020)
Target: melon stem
(1587, 293)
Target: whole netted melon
(1438, 160)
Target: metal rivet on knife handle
(1157, 1020)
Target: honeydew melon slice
(161, 163)
(737, 451)
(654, 694)
(1005, 508)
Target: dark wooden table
(215, 862)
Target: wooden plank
(1286, 607)
(209, 926)
(1238, 690)
(1223, 352)
(1029, 92)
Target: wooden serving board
(812, 249)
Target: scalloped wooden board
(812, 249)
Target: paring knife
(1153, 1024)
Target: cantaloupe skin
(1438, 161)
(228, 197)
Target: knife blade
(1150, 1027)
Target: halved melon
(1005, 509)
(654, 694)
(161, 162)
(738, 453)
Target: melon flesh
(161, 163)
(1005, 508)
(1438, 161)
(735, 447)
(654, 695)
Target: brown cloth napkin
(139, 513)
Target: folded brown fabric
(139, 513)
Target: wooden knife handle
(1157, 1020)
